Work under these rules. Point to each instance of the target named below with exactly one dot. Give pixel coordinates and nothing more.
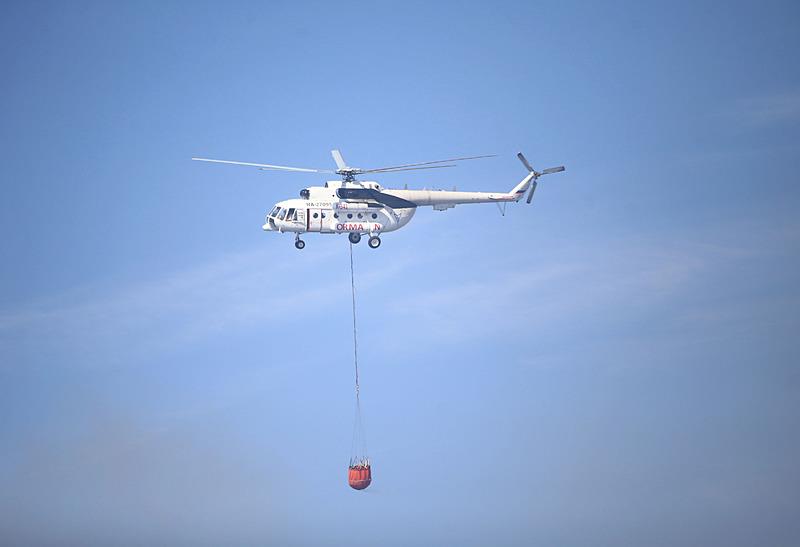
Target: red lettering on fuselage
(350, 227)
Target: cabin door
(314, 220)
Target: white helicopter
(366, 208)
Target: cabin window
(360, 215)
(315, 215)
(349, 215)
(335, 215)
(374, 216)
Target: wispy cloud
(231, 292)
(599, 279)
(778, 108)
(252, 289)
(577, 280)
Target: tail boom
(442, 199)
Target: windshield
(274, 211)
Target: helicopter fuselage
(321, 209)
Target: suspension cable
(358, 448)
(355, 338)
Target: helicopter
(361, 208)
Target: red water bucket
(359, 476)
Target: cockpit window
(292, 214)
(282, 214)
(274, 211)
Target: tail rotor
(536, 174)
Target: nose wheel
(374, 242)
(299, 243)
(354, 237)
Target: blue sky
(615, 364)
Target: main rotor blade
(379, 169)
(265, 166)
(396, 169)
(553, 170)
(337, 157)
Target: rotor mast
(348, 173)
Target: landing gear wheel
(374, 242)
(354, 237)
(299, 243)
